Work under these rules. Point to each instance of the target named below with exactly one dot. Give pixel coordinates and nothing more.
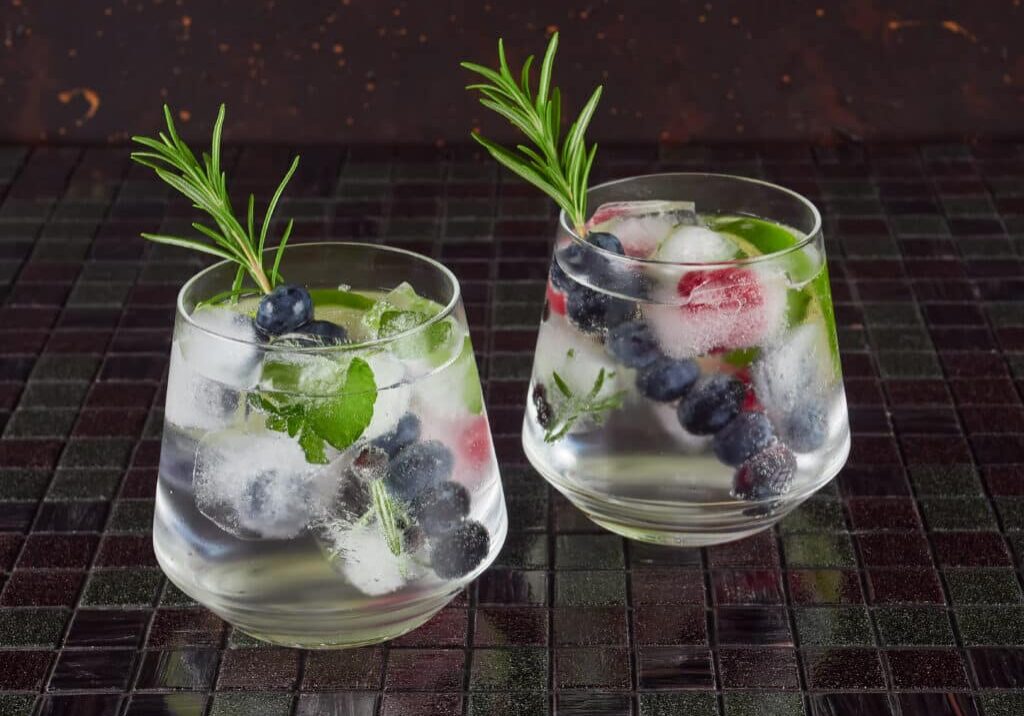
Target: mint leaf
(342, 419)
(313, 445)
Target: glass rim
(565, 224)
(444, 313)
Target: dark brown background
(366, 70)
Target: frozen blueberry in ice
(460, 551)
(746, 434)
(767, 474)
(805, 427)
(587, 309)
(710, 404)
(326, 333)
(419, 466)
(545, 414)
(273, 506)
(606, 241)
(353, 496)
(441, 508)
(632, 344)
(413, 537)
(667, 379)
(284, 310)
(406, 432)
(559, 278)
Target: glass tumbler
(320, 495)
(686, 386)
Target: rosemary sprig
(558, 168)
(206, 186)
(573, 407)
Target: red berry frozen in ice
(720, 309)
(556, 300)
(474, 443)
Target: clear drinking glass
(349, 541)
(686, 385)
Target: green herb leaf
(559, 169)
(342, 419)
(205, 185)
(572, 407)
(314, 447)
(338, 297)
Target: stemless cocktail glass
(686, 386)
(321, 495)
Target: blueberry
(619, 311)
(440, 509)
(805, 428)
(766, 474)
(743, 436)
(573, 257)
(284, 310)
(559, 278)
(632, 344)
(545, 414)
(667, 379)
(353, 495)
(587, 309)
(406, 432)
(712, 403)
(371, 464)
(419, 466)
(606, 241)
(326, 333)
(460, 551)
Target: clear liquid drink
(686, 386)
(323, 494)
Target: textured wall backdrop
(386, 70)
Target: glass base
(677, 523)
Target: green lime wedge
(338, 297)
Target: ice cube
(361, 554)
(194, 401)
(718, 309)
(393, 394)
(257, 484)
(795, 372)
(451, 392)
(578, 360)
(696, 244)
(221, 345)
(641, 226)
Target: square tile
(914, 626)
(937, 704)
(593, 589)
(247, 669)
(834, 626)
(509, 704)
(926, 668)
(37, 588)
(675, 667)
(509, 586)
(764, 626)
(427, 704)
(588, 552)
(265, 704)
(747, 586)
(446, 628)
(758, 668)
(78, 704)
(904, 586)
(92, 670)
(670, 625)
(669, 704)
(589, 626)
(32, 627)
(983, 586)
(990, 625)
(667, 586)
(167, 705)
(818, 550)
(185, 627)
(843, 669)
(107, 627)
(763, 703)
(186, 669)
(522, 669)
(122, 587)
(825, 586)
(592, 668)
(511, 627)
(359, 668)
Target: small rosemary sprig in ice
(573, 407)
(558, 168)
(206, 185)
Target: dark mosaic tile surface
(897, 591)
